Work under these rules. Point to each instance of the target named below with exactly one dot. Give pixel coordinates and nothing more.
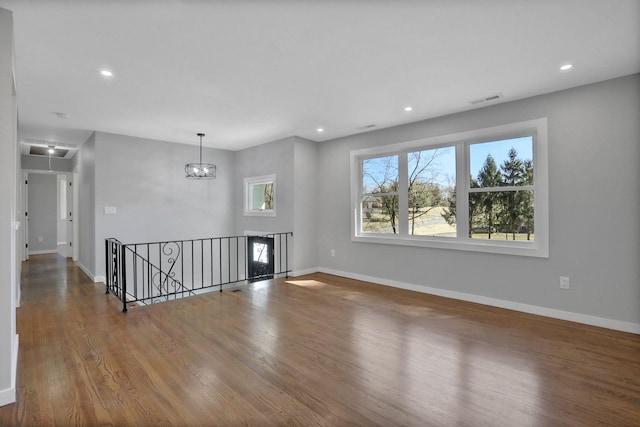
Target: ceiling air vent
(486, 99)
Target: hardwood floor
(314, 350)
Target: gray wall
(594, 149)
(272, 158)
(43, 218)
(305, 206)
(85, 163)
(42, 163)
(293, 161)
(144, 180)
(9, 210)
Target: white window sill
(270, 212)
(506, 247)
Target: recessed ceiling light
(408, 108)
(566, 67)
(320, 130)
(106, 73)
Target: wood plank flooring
(317, 350)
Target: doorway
(48, 213)
(260, 256)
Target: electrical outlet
(564, 282)
(333, 252)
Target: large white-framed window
(483, 190)
(260, 195)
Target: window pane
(257, 196)
(431, 192)
(501, 215)
(260, 253)
(380, 175)
(380, 214)
(501, 163)
(261, 196)
(268, 195)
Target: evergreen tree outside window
(504, 193)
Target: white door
(25, 248)
(74, 211)
(62, 215)
(65, 215)
(70, 212)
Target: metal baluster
(211, 263)
(123, 270)
(107, 264)
(202, 266)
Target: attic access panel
(44, 151)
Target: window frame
(248, 195)
(539, 247)
(389, 193)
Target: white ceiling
(250, 72)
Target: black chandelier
(200, 170)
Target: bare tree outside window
(429, 180)
(380, 195)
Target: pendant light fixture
(200, 170)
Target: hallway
(314, 350)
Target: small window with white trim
(484, 190)
(260, 195)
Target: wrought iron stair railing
(148, 273)
(162, 285)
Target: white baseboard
(52, 251)
(8, 395)
(586, 319)
(86, 270)
(297, 273)
(14, 360)
(96, 279)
